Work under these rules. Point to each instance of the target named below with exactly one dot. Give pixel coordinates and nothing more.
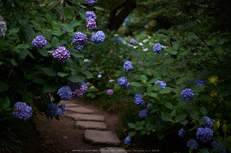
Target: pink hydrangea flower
(110, 91)
(141, 63)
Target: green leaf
(43, 52)
(87, 73)
(6, 101)
(98, 8)
(148, 71)
(12, 61)
(136, 84)
(77, 55)
(198, 88)
(76, 78)
(166, 90)
(195, 115)
(150, 94)
(24, 54)
(39, 81)
(216, 125)
(184, 122)
(49, 71)
(3, 86)
(181, 80)
(132, 133)
(203, 110)
(154, 110)
(202, 121)
(81, 13)
(30, 54)
(143, 78)
(181, 117)
(150, 127)
(166, 116)
(14, 30)
(37, 26)
(156, 87)
(55, 42)
(46, 34)
(68, 28)
(131, 125)
(171, 51)
(80, 1)
(57, 33)
(22, 46)
(224, 128)
(27, 97)
(62, 74)
(75, 23)
(153, 80)
(168, 105)
(49, 17)
(159, 135)
(67, 13)
(50, 86)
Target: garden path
(82, 129)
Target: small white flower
(135, 47)
(88, 83)
(141, 44)
(145, 49)
(86, 60)
(111, 80)
(116, 35)
(99, 76)
(164, 46)
(145, 40)
(149, 37)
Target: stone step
(112, 150)
(68, 101)
(81, 110)
(71, 105)
(86, 117)
(90, 125)
(101, 137)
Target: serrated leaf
(55, 42)
(131, 125)
(166, 116)
(184, 122)
(43, 52)
(150, 94)
(166, 90)
(195, 115)
(132, 133)
(68, 28)
(37, 26)
(148, 71)
(75, 23)
(50, 87)
(154, 110)
(14, 30)
(198, 88)
(6, 102)
(12, 61)
(76, 78)
(153, 80)
(49, 71)
(202, 121)
(156, 87)
(27, 97)
(57, 33)
(159, 135)
(81, 13)
(46, 34)
(203, 110)
(136, 84)
(23, 54)
(98, 8)
(77, 55)
(62, 74)
(67, 13)
(143, 78)
(87, 73)
(22, 46)
(49, 17)
(168, 105)
(3, 86)
(181, 117)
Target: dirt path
(62, 136)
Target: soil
(62, 136)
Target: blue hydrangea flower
(209, 124)
(133, 41)
(138, 100)
(61, 54)
(59, 111)
(157, 48)
(63, 30)
(187, 94)
(119, 39)
(79, 47)
(192, 144)
(98, 37)
(39, 42)
(127, 141)
(90, 15)
(91, 24)
(80, 38)
(91, 2)
(77, 89)
(85, 87)
(149, 105)
(123, 81)
(200, 82)
(181, 133)
(204, 134)
(214, 144)
(162, 83)
(65, 93)
(63, 108)
(128, 66)
(23, 112)
(52, 110)
(143, 113)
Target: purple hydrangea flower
(77, 89)
(149, 105)
(80, 38)
(91, 2)
(39, 42)
(79, 47)
(200, 82)
(85, 87)
(123, 81)
(214, 144)
(2, 28)
(157, 48)
(63, 108)
(65, 93)
(127, 141)
(204, 134)
(139, 100)
(143, 113)
(133, 41)
(23, 112)
(52, 110)
(59, 111)
(98, 37)
(63, 30)
(61, 54)
(127, 66)
(192, 144)
(90, 15)
(187, 94)
(181, 133)
(162, 83)
(209, 124)
(119, 39)
(91, 24)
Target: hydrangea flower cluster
(110, 91)
(63, 108)
(214, 144)
(39, 42)
(138, 100)
(181, 133)
(80, 38)
(204, 134)
(119, 39)
(23, 112)
(59, 111)
(61, 54)
(123, 81)
(65, 93)
(52, 110)
(2, 27)
(79, 47)
(157, 48)
(77, 89)
(209, 124)
(85, 87)
(90, 15)
(127, 141)
(63, 30)
(192, 144)
(200, 82)
(91, 24)
(98, 37)
(162, 83)
(133, 41)
(149, 105)
(128, 66)
(143, 113)
(91, 2)
(187, 94)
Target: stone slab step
(90, 125)
(68, 101)
(101, 137)
(86, 117)
(81, 110)
(112, 150)
(71, 105)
